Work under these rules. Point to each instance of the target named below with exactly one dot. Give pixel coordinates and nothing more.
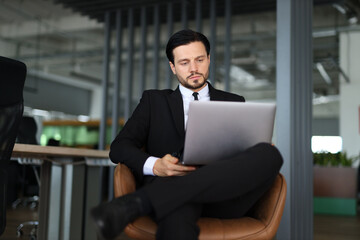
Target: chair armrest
(271, 205)
(124, 181)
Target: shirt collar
(187, 93)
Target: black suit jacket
(156, 126)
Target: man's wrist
(149, 166)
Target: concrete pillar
(294, 110)
(96, 104)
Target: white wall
(350, 92)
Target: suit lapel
(215, 95)
(177, 110)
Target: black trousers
(223, 189)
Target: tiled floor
(336, 228)
(325, 227)
(16, 217)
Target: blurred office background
(64, 45)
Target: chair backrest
(27, 131)
(12, 79)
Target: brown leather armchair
(262, 224)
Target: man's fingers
(167, 166)
(170, 158)
(182, 168)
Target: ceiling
(63, 39)
(95, 8)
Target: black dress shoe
(111, 218)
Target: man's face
(191, 65)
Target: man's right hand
(167, 166)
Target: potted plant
(335, 183)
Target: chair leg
(33, 232)
(32, 202)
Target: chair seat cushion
(210, 228)
(216, 229)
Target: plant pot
(335, 190)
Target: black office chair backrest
(12, 79)
(27, 131)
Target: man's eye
(183, 63)
(200, 60)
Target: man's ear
(172, 68)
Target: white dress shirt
(187, 97)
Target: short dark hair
(185, 37)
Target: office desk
(70, 184)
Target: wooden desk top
(36, 151)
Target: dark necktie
(195, 94)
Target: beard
(199, 83)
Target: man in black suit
(176, 195)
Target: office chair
(261, 223)
(29, 168)
(30, 179)
(12, 79)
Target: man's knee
(271, 152)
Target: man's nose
(193, 67)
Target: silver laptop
(217, 130)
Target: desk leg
(61, 206)
(75, 223)
(50, 191)
(45, 176)
(92, 198)
(111, 182)
(72, 202)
